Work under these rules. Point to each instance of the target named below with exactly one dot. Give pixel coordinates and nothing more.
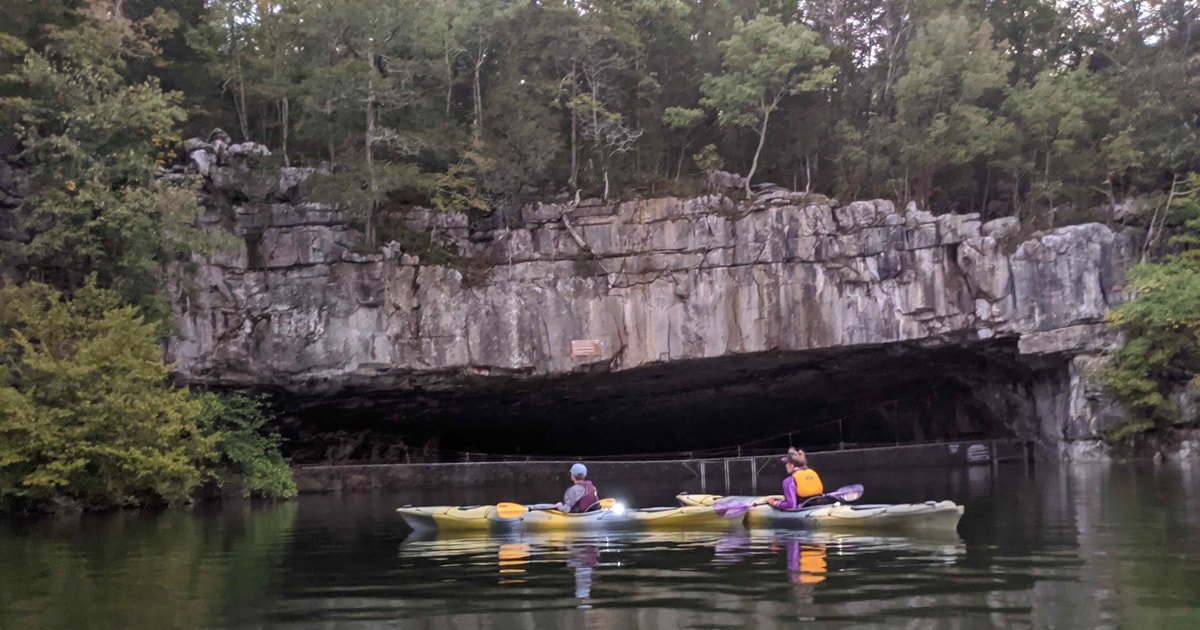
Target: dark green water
(1086, 547)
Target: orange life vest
(808, 483)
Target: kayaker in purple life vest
(581, 496)
(801, 483)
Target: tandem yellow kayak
(495, 518)
(930, 516)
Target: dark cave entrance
(866, 396)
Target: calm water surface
(1085, 547)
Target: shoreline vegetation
(1050, 111)
(90, 419)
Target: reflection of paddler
(583, 557)
(732, 547)
(806, 563)
(512, 558)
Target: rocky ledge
(298, 306)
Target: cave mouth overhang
(904, 392)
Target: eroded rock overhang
(662, 282)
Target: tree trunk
(477, 128)
(240, 102)
(807, 174)
(596, 136)
(284, 114)
(762, 137)
(923, 191)
(369, 142)
(574, 179)
(449, 74)
(329, 139)
(1046, 187)
(987, 188)
(1112, 201)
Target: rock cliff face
(658, 282)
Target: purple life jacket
(588, 500)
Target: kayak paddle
(849, 494)
(735, 507)
(513, 510)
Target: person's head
(794, 459)
(578, 472)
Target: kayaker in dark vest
(581, 496)
(801, 483)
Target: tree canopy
(1044, 109)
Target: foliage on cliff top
(91, 136)
(1162, 332)
(1026, 107)
(87, 413)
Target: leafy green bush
(87, 413)
(1162, 334)
(243, 447)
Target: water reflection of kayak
(490, 518)
(928, 516)
(467, 542)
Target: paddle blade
(510, 510)
(607, 503)
(848, 493)
(732, 507)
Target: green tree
(682, 119)
(1162, 332)
(86, 411)
(763, 61)
(374, 71)
(231, 41)
(261, 60)
(244, 446)
(477, 25)
(93, 140)
(943, 118)
(1062, 119)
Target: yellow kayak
(685, 498)
(930, 516)
(496, 519)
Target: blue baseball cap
(579, 470)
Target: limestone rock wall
(296, 306)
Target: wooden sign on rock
(586, 347)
